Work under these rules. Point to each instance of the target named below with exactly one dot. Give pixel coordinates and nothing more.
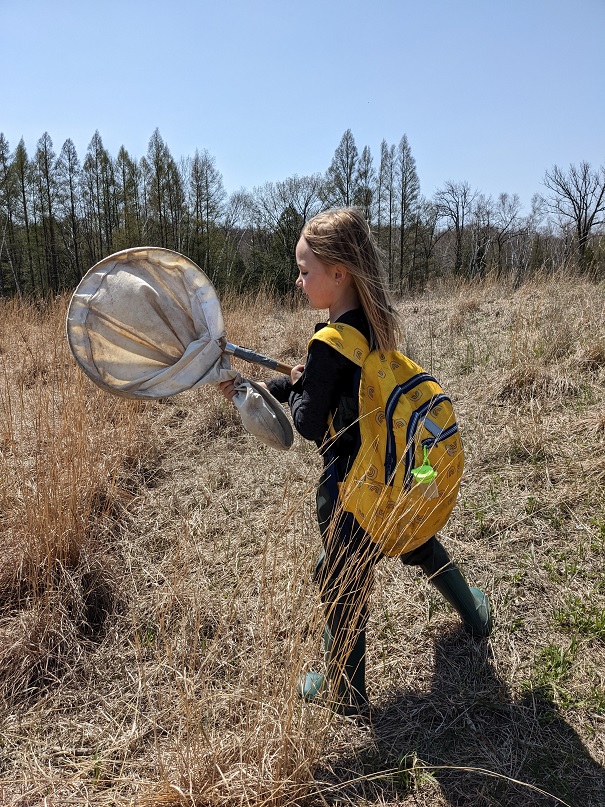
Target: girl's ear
(339, 272)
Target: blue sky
(492, 93)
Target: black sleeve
(280, 388)
(316, 393)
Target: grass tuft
(533, 382)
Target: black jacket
(328, 386)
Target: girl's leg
(345, 574)
(470, 603)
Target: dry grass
(156, 603)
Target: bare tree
(302, 194)
(527, 246)
(425, 239)
(454, 203)
(579, 199)
(278, 212)
(506, 219)
(482, 233)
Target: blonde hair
(343, 236)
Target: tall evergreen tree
(408, 191)
(46, 183)
(365, 185)
(7, 216)
(128, 182)
(175, 205)
(341, 175)
(23, 172)
(148, 223)
(159, 162)
(99, 198)
(386, 204)
(68, 175)
(206, 203)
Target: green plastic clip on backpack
(425, 473)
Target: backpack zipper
(415, 422)
(390, 459)
(438, 435)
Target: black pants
(345, 569)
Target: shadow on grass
(424, 747)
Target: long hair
(343, 236)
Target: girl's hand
(228, 389)
(296, 373)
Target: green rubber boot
(349, 696)
(470, 604)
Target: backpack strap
(349, 342)
(346, 339)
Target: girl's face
(315, 279)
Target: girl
(340, 270)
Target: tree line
(59, 216)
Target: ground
(155, 662)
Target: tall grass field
(156, 596)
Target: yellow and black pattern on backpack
(405, 419)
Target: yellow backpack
(404, 481)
